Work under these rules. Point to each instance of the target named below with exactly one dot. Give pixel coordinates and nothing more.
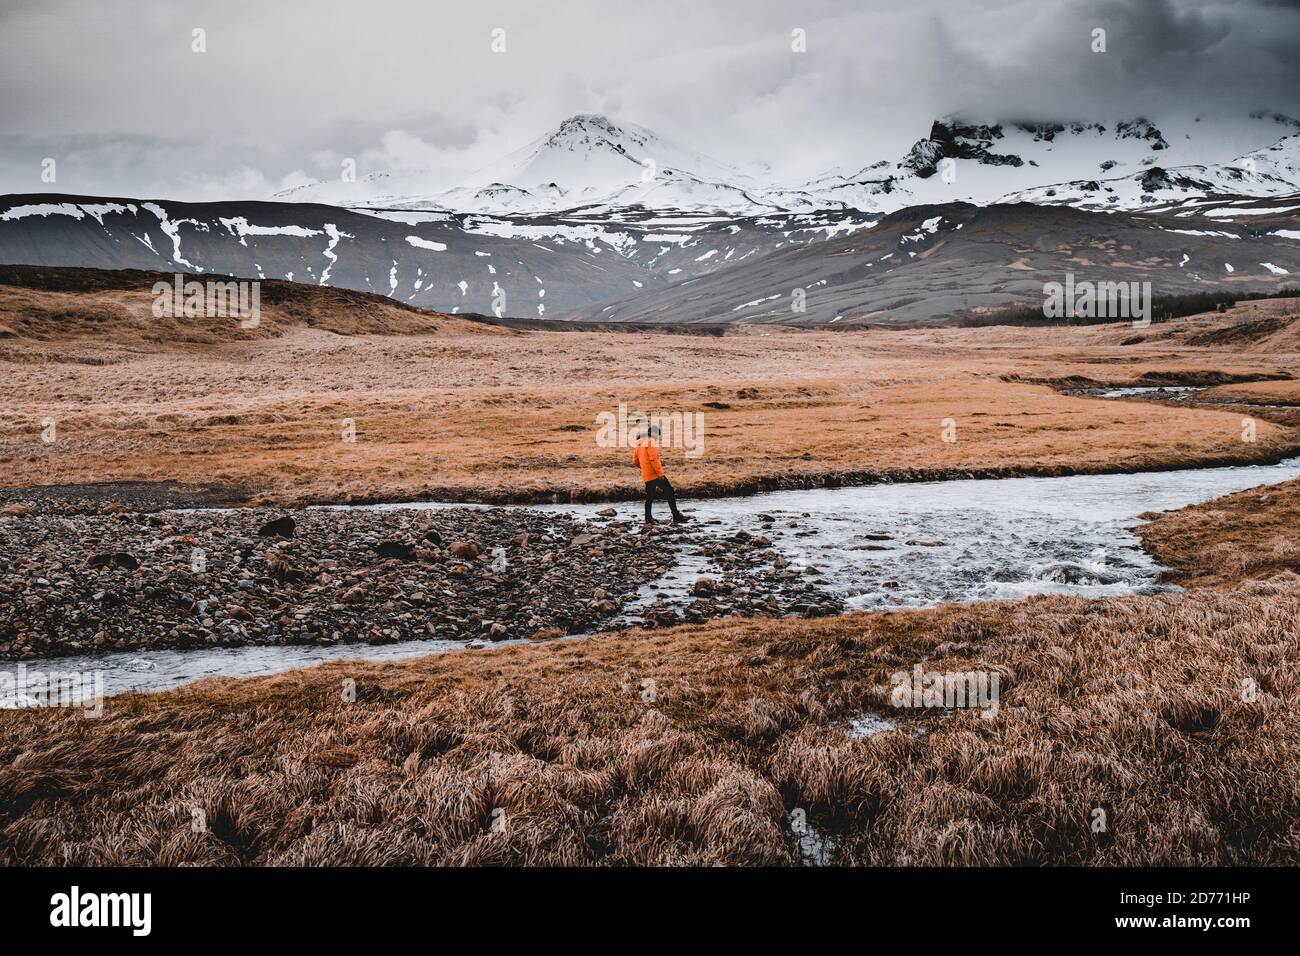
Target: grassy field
(1252, 534)
(1285, 393)
(1140, 730)
(303, 410)
(1173, 716)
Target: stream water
(1172, 391)
(879, 546)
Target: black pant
(665, 488)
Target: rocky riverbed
(76, 584)
(752, 577)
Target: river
(879, 546)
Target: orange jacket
(646, 457)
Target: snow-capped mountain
(572, 226)
(1261, 173)
(587, 161)
(592, 165)
(588, 158)
(1066, 163)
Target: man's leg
(649, 497)
(672, 499)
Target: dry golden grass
(1133, 706)
(1273, 393)
(1251, 534)
(116, 308)
(1175, 714)
(468, 412)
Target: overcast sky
(112, 90)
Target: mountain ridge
(677, 246)
(591, 162)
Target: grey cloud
(285, 90)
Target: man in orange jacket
(646, 457)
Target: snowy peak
(589, 157)
(1281, 160)
(1271, 171)
(591, 162)
(594, 164)
(1018, 143)
(1141, 129)
(576, 146)
(1047, 132)
(1071, 163)
(588, 132)
(955, 140)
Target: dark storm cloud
(285, 91)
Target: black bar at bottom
(334, 905)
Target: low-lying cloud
(284, 92)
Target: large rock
(466, 549)
(116, 559)
(279, 528)
(400, 550)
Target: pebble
(328, 577)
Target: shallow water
(1177, 391)
(160, 670)
(879, 546)
(920, 544)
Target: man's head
(652, 431)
